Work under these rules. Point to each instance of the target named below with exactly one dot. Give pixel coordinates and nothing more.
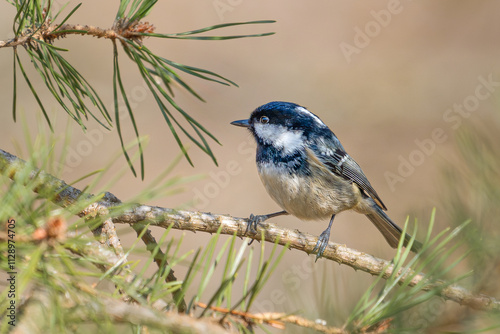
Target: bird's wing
(341, 163)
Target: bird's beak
(244, 123)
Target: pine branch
(37, 28)
(122, 30)
(139, 215)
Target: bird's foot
(322, 243)
(253, 221)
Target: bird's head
(284, 125)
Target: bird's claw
(321, 245)
(252, 223)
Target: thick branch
(139, 215)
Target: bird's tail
(389, 229)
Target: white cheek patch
(265, 132)
(290, 141)
(280, 137)
(307, 112)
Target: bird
(307, 172)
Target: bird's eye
(264, 119)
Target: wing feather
(341, 163)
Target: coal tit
(307, 172)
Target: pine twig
(48, 33)
(106, 234)
(276, 320)
(140, 215)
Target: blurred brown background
(396, 86)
